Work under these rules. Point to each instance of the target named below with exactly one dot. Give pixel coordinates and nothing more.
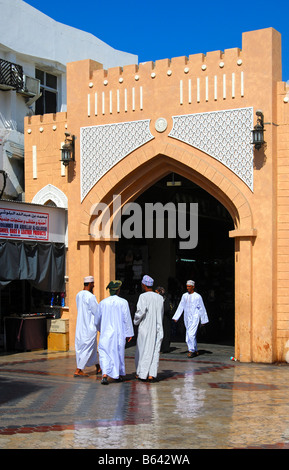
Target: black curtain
(41, 264)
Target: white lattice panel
(104, 146)
(224, 135)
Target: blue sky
(158, 29)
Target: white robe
(149, 318)
(115, 325)
(86, 331)
(194, 312)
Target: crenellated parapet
(47, 131)
(45, 120)
(44, 138)
(214, 77)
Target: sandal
(120, 379)
(80, 373)
(192, 353)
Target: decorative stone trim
(224, 135)
(102, 147)
(161, 124)
(51, 193)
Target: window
(47, 103)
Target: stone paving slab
(208, 402)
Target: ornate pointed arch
(141, 169)
(51, 193)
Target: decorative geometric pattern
(103, 146)
(224, 135)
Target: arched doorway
(132, 178)
(210, 263)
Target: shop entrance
(210, 264)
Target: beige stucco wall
(282, 203)
(165, 89)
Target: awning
(41, 264)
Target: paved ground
(208, 402)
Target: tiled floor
(208, 402)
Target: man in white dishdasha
(86, 332)
(115, 325)
(149, 318)
(194, 313)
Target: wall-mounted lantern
(258, 131)
(67, 150)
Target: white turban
(190, 283)
(88, 279)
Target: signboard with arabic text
(24, 224)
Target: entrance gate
(210, 263)
(148, 174)
(193, 117)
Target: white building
(34, 51)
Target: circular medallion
(161, 124)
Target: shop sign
(24, 224)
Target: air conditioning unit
(5, 87)
(31, 86)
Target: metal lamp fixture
(258, 131)
(67, 150)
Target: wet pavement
(207, 402)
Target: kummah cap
(190, 283)
(88, 279)
(114, 285)
(147, 281)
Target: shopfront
(32, 274)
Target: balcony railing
(11, 76)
